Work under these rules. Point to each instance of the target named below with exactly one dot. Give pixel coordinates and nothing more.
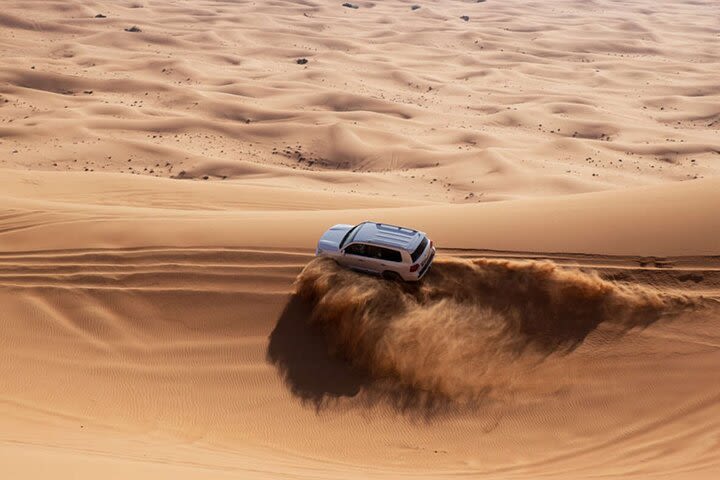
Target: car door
(355, 256)
(373, 260)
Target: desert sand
(167, 166)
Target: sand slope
(170, 343)
(64, 210)
(156, 360)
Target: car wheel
(392, 276)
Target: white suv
(388, 250)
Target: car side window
(390, 255)
(373, 251)
(381, 253)
(357, 249)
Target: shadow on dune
(468, 331)
(300, 350)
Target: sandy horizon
(167, 166)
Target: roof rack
(389, 226)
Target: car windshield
(350, 235)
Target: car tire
(391, 276)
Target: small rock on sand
(100, 15)
(465, 17)
(415, 7)
(350, 5)
(302, 61)
(133, 29)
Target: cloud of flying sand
(468, 322)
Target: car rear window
(419, 250)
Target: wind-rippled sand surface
(162, 190)
(524, 99)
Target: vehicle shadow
(298, 349)
(315, 376)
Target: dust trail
(462, 329)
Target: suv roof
(388, 235)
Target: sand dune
(162, 188)
(522, 100)
(170, 344)
(116, 353)
(116, 210)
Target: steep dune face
(200, 362)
